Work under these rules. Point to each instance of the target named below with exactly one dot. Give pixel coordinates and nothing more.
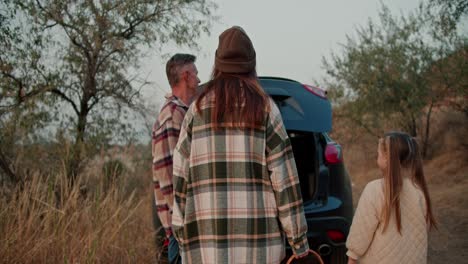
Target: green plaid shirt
(237, 193)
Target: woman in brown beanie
(237, 193)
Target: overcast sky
(290, 37)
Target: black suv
(325, 184)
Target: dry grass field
(96, 221)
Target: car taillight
(315, 90)
(336, 236)
(332, 154)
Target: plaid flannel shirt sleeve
(285, 183)
(181, 175)
(164, 140)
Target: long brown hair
(239, 102)
(402, 151)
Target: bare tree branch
(66, 98)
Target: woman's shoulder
(202, 102)
(373, 194)
(374, 187)
(272, 109)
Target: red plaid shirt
(165, 134)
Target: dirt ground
(447, 176)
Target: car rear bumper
(318, 227)
(317, 237)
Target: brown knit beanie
(235, 53)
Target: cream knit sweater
(368, 244)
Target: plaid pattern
(166, 131)
(237, 193)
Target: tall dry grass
(46, 221)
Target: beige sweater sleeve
(366, 220)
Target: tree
(449, 74)
(446, 14)
(21, 78)
(91, 49)
(383, 77)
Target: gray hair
(174, 64)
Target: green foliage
(380, 72)
(448, 21)
(393, 73)
(446, 14)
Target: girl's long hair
(239, 100)
(402, 152)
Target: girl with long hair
(236, 188)
(394, 214)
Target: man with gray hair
(183, 79)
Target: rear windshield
(300, 109)
(290, 108)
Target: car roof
(301, 109)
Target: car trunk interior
(305, 155)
